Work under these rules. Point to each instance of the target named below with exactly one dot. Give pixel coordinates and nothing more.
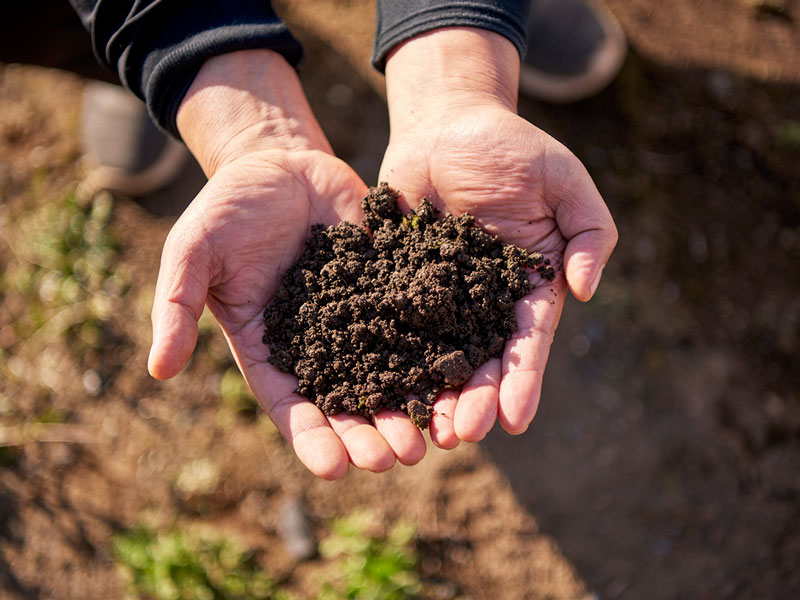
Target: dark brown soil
(392, 319)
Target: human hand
(271, 176)
(456, 138)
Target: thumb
(586, 223)
(180, 296)
(405, 172)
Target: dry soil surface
(664, 460)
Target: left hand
(456, 138)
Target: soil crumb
(391, 314)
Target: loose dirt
(391, 314)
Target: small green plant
(369, 566)
(235, 394)
(190, 565)
(411, 221)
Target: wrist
(243, 102)
(448, 69)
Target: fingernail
(596, 281)
(150, 361)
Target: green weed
(369, 566)
(64, 263)
(190, 565)
(198, 564)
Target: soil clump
(391, 314)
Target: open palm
(229, 250)
(528, 189)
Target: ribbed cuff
(401, 20)
(158, 47)
(173, 74)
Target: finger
(365, 445)
(525, 356)
(584, 259)
(476, 410)
(586, 223)
(402, 435)
(299, 421)
(181, 291)
(442, 432)
(402, 171)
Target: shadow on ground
(662, 457)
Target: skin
(455, 138)
(271, 176)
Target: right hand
(272, 175)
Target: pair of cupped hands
(455, 138)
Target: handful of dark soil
(393, 319)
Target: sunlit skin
(272, 175)
(456, 138)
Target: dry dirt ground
(665, 460)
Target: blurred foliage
(369, 566)
(64, 270)
(235, 394)
(199, 564)
(190, 565)
(50, 415)
(789, 135)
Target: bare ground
(664, 460)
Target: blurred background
(665, 458)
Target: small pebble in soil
(389, 315)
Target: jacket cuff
(398, 21)
(158, 46)
(170, 74)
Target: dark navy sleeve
(158, 46)
(400, 20)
